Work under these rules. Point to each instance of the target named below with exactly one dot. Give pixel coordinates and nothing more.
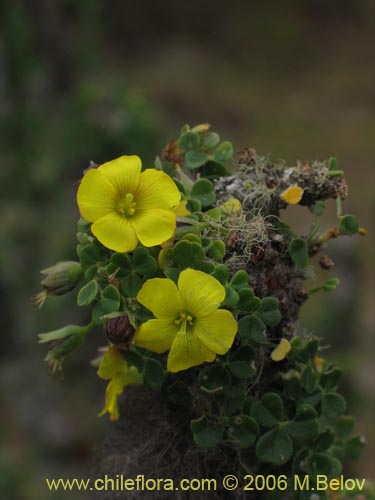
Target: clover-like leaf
(243, 430)
(298, 251)
(252, 329)
(205, 435)
(88, 293)
(203, 190)
(195, 159)
(269, 312)
(110, 300)
(269, 411)
(241, 362)
(274, 447)
(188, 253)
(214, 379)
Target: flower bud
(62, 342)
(62, 277)
(119, 330)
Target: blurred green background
(85, 80)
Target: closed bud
(119, 330)
(62, 342)
(61, 278)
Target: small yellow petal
(187, 351)
(156, 190)
(201, 293)
(123, 173)
(96, 196)
(161, 297)
(280, 352)
(292, 195)
(231, 206)
(115, 232)
(154, 226)
(156, 335)
(112, 363)
(181, 209)
(116, 387)
(319, 363)
(217, 331)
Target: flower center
(186, 319)
(126, 206)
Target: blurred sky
(85, 80)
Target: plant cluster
(197, 282)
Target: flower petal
(217, 330)
(154, 226)
(115, 232)
(161, 297)
(96, 196)
(156, 190)
(123, 173)
(187, 351)
(111, 363)
(292, 195)
(156, 335)
(201, 293)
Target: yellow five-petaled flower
(127, 206)
(187, 320)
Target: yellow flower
(113, 367)
(319, 363)
(292, 195)
(126, 205)
(280, 352)
(188, 322)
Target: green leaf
(308, 379)
(193, 205)
(221, 273)
(132, 358)
(224, 152)
(274, 447)
(205, 435)
(188, 253)
(88, 293)
(348, 225)
(143, 263)
(240, 362)
(240, 280)
(110, 300)
(330, 379)
(231, 297)
(130, 285)
(243, 430)
(298, 252)
(332, 163)
(217, 250)
(189, 140)
(89, 255)
(252, 329)
(354, 446)
(269, 312)
(214, 379)
(153, 374)
(305, 425)
(203, 190)
(210, 140)
(214, 213)
(121, 264)
(269, 411)
(331, 284)
(195, 159)
(324, 440)
(332, 405)
(317, 208)
(214, 170)
(248, 302)
(323, 464)
(344, 425)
